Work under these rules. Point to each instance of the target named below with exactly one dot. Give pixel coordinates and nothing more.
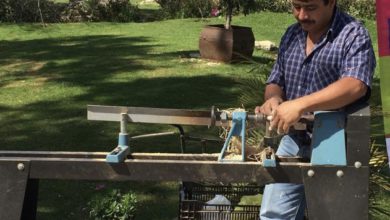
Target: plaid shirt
(344, 51)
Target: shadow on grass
(157, 200)
(94, 66)
(254, 60)
(62, 124)
(81, 60)
(104, 69)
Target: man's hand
(285, 115)
(269, 106)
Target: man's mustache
(306, 21)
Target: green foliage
(236, 6)
(274, 6)
(251, 92)
(230, 7)
(28, 11)
(202, 8)
(122, 11)
(114, 206)
(6, 11)
(185, 8)
(356, 8)
(74, 11)
(100, 10)
(359, 8)
(379, 179)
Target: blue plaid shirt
(344, 51)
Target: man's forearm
(273, 90)
(336, 95)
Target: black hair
(326, 2)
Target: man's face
(313, 15)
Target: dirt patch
(195, 59)
(36, 82)
(35, 67)
(29, 67)
(24, 73)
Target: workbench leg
(13, 184)
(336, 193)
(31, 200)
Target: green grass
(49, 75)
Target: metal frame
(332, 192)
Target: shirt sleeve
(276, 76)
(277, 73)
(359, 61)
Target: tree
(231, 6)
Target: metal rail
(151, 115)
(20, 173)
(150, 166)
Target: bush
(114, 206)
(274, 6)
(202, 8)
(6, 11)
(100, 10)
(359, 8)
(77, 11)
(122, 11)
(356, 8)
(28, 11)
(74, 11)
(186, 8)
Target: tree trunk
(229, 13)
(40, 13)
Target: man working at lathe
(325, 61)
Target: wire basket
(194, 197)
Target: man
(325, 62)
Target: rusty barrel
(226, 45)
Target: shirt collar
(336, 25)
(334, 29)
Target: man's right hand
(269, 106)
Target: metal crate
(193, 198)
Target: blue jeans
(285, 201)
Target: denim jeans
(285, 201)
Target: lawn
(49, 75)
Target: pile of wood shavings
(253, 143)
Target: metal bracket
(238, 130)
(328, 142)
(120, 153)
(268, 157)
